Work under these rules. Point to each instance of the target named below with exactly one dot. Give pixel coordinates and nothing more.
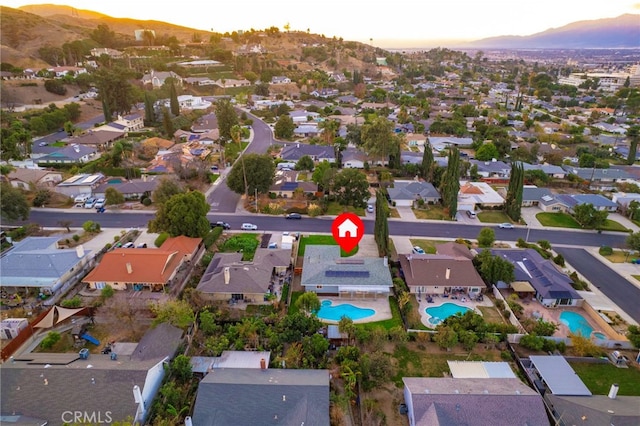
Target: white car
(249, 227)
(370, 208)
(90, 203)
(99, 203)
(506, 225)
(418, 250)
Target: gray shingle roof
(532, 193)
(324, 266)
(295, 151)
(410, 190)
(159, 342)
(246, 397)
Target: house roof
(596, 410)
(31, 175)
(598, 174)
(480, 370)
(411, 190)
(533, 193)
(240, 396)
(96, 137)
(432, 270)
(492, 166)
(205, 123)
(186, 246)
(324, 266)
(244, 277)
(68, 153)
(146, 265)
(241, 359)
(158, 343)
(478, 193)
(137, 186)
(295, 151)
(453, 402)
(158, 143)
(454, 249)
(542, 274)
(596, 200)
(558, 375)
(38, 262)
(468, 188)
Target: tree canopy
(351, 188)
(284, 127)
(259, 171)
(494, 268)
(13, 203)
(166, 189)
(182, 214)
(588, 217)
(227, 118)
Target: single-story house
(136, 269)
(249, 396)
(556, 172)
(595, 410)
(408, 192)
(493, 168)
(549, 285)
(354, 158)
(205, 123)
(24, 178)
(302, 116)
(477, 194)
(600, 178)
(475, 401)
(133, 189)
(440, 143)
(59, 389)
(67, 70)
(39, 263)
(326, 273)
(286, 183)
(441, 273)
(70, 154)
(410, 157)
(307, 130)
(229, 278)
(157, 78)
(532, 195)
(623, 199)
(80, 184)
(280, 79)
(293, 152)
(567, 202)
(102, 140)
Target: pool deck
(380, 306)
(439, 301)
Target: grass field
(334, 208)
(322, 240)
(637, 277)
(599, 377)
(431, 212)
(612, 225)
(491, 314)
(619, 256)
(557, 220)
(493, 216)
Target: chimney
(447, 274)
(263, 364)
(613, 392)
(129, 268)
(227, 275)
(385, 261)
(80, 251)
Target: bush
(55, 86)
(533, 342)
(51, 339)
(107, 246)
(559, 260)
(146, 201)
(107, 292)
(76, 238)
(212, 236)
(161, 239)
(42, 197)
(605, 251)
(74, 302)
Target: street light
(526, 240)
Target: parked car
(101, 210)
(506, 225)
(90, 203)
(99, 203)
(249, 227)
(223, 225)
(81, 198)
(273, 245)
(294, 216)
(418, 250)
(128, 245)
(370, 208)
(471, 214)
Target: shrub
(212, 236)
(107, 292)
(76, 238)
(55, 86)
(559, 260)
(91, 226)
(533, 342)
(107, 246)
(146, 201)
(42, 197)
(161, 239)
(605, 251)
(314, 210)
(51, 339)
(74, 302)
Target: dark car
(223, 225)
(294, 216)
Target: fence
(22, 337)
(512, 317)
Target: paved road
(222, 199)
(614, 286)
(123, 219)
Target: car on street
(418, 250)
(506, 225)
(249, 227)
(43, 144)
(294, 216)
(223, 225)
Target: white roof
(480, 370)
(558, 375)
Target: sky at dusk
(399, 23)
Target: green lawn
(431, 212)
(293, 309)
(491, 314)
(493, 216)
(322, 240)
(213, 177)
(558, 220)
(247, 243)
(612, 225)
(429, 246)
(599, 377)
(637, 277)
(334, 208)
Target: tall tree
(13, 203)
(259, 170)
(284, 127)
(450, 184)
(377, 137)
(381, 225)
(149, 113)
(183, 214)
(493, 268)
(173, 99)
(351, 188)
(589, 217)
(227, 118)
(634, 136)
(329, 129)
(513, 201)
(115, 90)
(427, 163)
(167, 122)
(166, 189)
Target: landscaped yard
(334, 208)
(429, 246)
(493, 216)
(599, 377)
(322, 240)
(618, 256)
(558, 220)
(394, 321)
(394, 213)
(491, 314)
(245, 243)
(612, 225)
(431, 212)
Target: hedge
(161, 239)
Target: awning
(522, 287)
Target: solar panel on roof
(347, 274)
(288, 186)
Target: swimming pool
(335, 313)
(599, 335)
(444, 311)
(577, 323)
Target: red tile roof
(136, 265)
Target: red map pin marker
(347, 230)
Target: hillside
(620, 32)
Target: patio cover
(522, 287)
(63, 313)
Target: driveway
(402, 244)
(529, 216)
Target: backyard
(599, 377)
